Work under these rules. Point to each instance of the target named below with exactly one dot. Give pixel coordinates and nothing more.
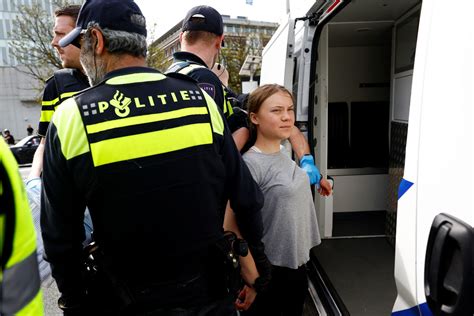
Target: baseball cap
(203, 18)
(110, 14)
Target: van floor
(361, 271)
(359, 223)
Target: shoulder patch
(209, 88)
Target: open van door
(439, 169)
(277, 56)
(282, 45)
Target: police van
(385, 94)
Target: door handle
(449, 267)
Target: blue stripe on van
(421, 310)
(403, 187)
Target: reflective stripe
(46, 115)
(150, 118)
(228, 107)
(20, 285)
(35, 307)
(71, 133)
(186, 70)
(149, 144)
(135, 78)
(52, 102)
(20, 292)
(216, 117)
(66, 95)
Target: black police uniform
(153, 159)
(62, 85)
(210, 83)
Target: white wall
(360, 193)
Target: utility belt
(222, 279)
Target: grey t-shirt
(289, 216)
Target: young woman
(289, 217)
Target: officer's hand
(307, 164)
(246, 297)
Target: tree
(31, 41)
(155, 55)
(236, 49)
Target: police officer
(69, 80)
(153, 159)
(201, 38)
(19, 276)
(64, 83)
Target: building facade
(19, 93)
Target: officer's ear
(99, 41)
(219, 41)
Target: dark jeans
(285, 294)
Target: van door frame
(312, 96)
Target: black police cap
(109, 14)
(203, 18)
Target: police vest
(186, 67)
(19, 275)
(155, 159)
(68, 82)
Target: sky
(164, 15)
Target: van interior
(360, 138)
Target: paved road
(50, 291)
(24, 171)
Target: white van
(385, 93)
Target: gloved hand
(307, 164)
(263, 265)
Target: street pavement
(50, 290)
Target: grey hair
(120, 42)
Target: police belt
(101, 279)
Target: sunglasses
(77, 41)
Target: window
(8, 29)
(4, 59)
(12, 58)
(2, 32)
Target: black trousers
(285, 295)
(201, 295)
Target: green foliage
(236, 49)
(156, 56)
